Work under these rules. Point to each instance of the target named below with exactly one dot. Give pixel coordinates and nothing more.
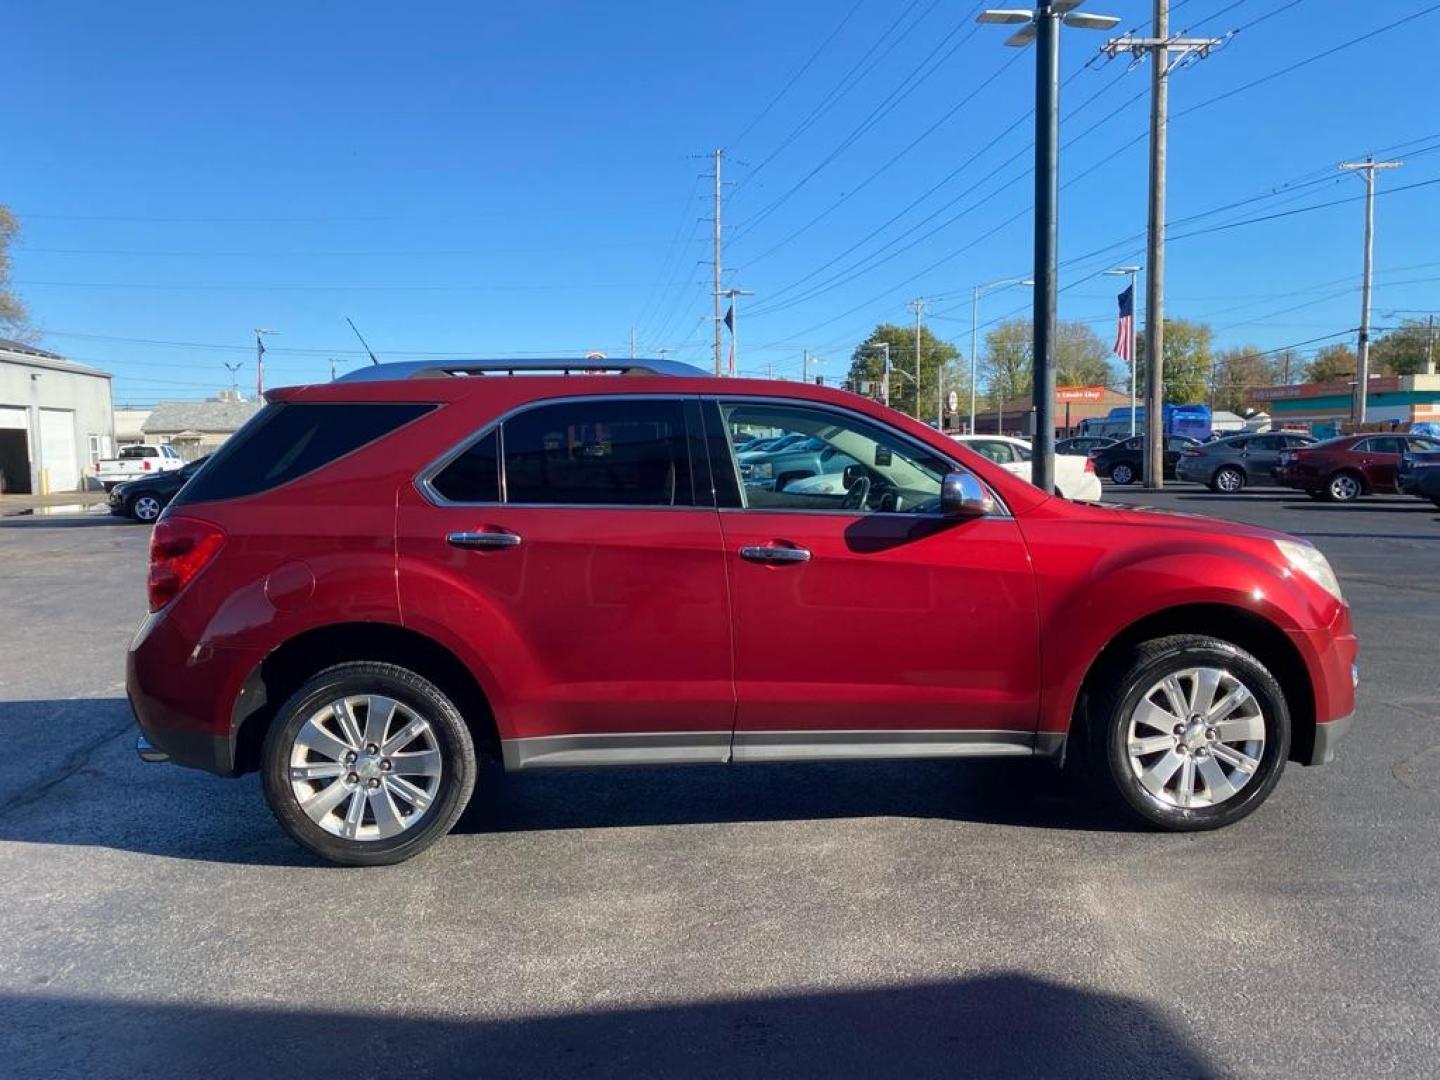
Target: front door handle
(766, 553)
(497, 539)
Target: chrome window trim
(1002, 510)
(424, 479)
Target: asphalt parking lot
(862, 919)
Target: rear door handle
(765, 553)
(483, 539)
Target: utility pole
(1159, 48)
(632, 343)
(719, 153)
(805, 365)
(1430, 347)
(1042, 26)
(918, 307)
(1367, 170)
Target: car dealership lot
(926, 918)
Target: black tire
(1109, 714)
(451, 737)
(1343, 487)
(1228, 480)
(1123, 473)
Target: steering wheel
(856, 494)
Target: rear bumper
(182, 696)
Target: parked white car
(1074, 476)
(134, 462)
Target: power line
(1306, 61)
(844, 85)
(907, 86)
(800, 71)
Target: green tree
(1081, 358)
(1008, 362)
(1187, 361)
(1333, 363)
(1235, 372)
(940, 369)
(1403, 350)
(13, 317)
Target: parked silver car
(1227, 465)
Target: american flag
(1125, 326)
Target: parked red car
(380, 579)
(1347, 467)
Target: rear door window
(285, 441)
(598, 453)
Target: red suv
(380, 580)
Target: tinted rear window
(285, 441)
(609, 453)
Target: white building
(56, 420)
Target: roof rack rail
(439, 369)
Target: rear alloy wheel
(145, 508)
(1228, 481)
(368, 764)
(1343, 487)
(1123, 473)
(1193, 736)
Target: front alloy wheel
(1229, 480)
(146, 508)
(1192, 734)
(1123, 473)
(1343, 487)
(368, 764)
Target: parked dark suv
(379, 581)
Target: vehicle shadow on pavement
(1001, 1025)
(1024, 794)
(24, 520)
(63, 791)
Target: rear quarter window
(285, 441)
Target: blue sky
(510, 178)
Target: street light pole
(975, 294)
(885, 383)
(1042, 26)
(732, 294)
(260, 335)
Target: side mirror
(962, 495)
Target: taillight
(1089, 464)
(145, 464)
(1190, 453)
(179, 549)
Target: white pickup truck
(133, 462)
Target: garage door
(14, 450)
(57, 449)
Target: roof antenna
(362, 342)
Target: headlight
(765, 471)
(1308, 560)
